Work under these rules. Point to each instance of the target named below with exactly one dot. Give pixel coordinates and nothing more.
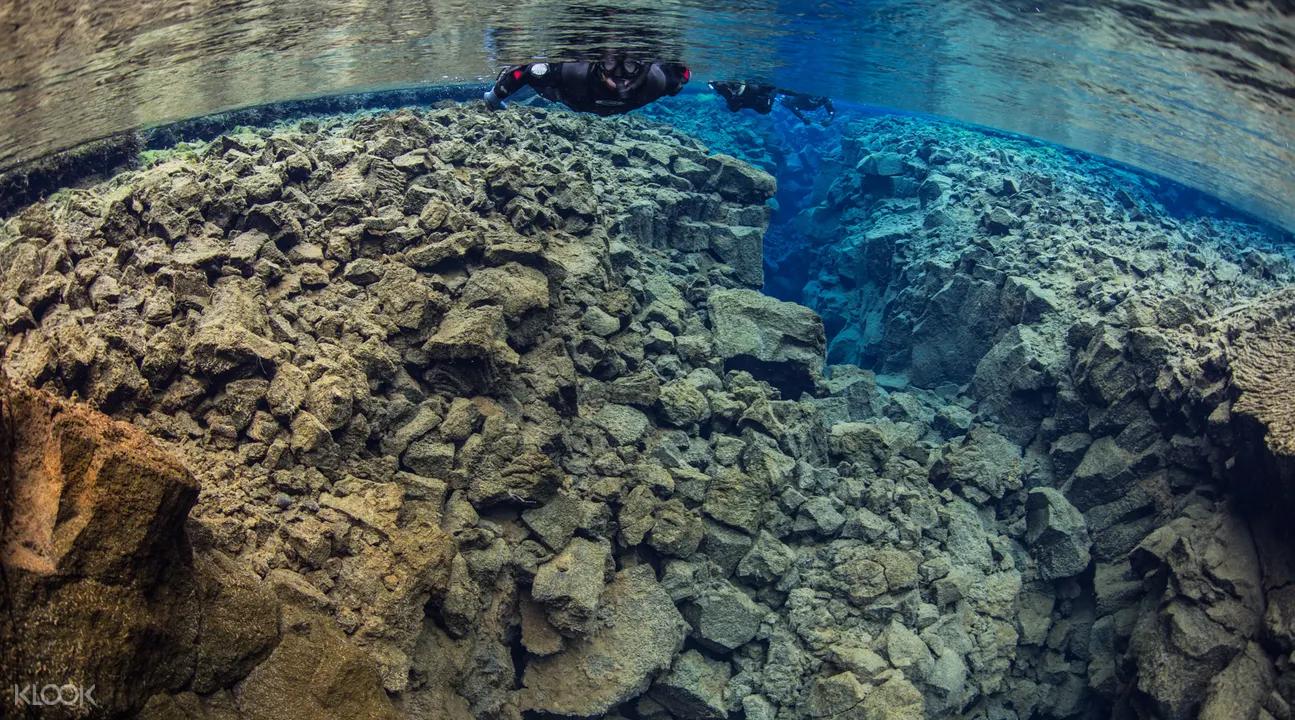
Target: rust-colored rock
(99, 580)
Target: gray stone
(598, 322)
(908, 652)
(472, 334)
(985, 461)
(839, 697)
(363, 271)
(725, 547)
(780, 342)
(694, 688)
(1000, 221)
(461, 420)
(824, 518)
(556, 521)
(724, 619)
(677, 531)
(569, 585)
(1057, 534)
(952, 421)
(624, 424)
(757, 707)
(431, 459)
(738, 181)
(736, 499)
(743, 249)
(767, 561)
(864, 524)
(682, 404)
(884, 164)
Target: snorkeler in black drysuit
(742, 96)
(612, 86)
(800, 103)
(760, 98)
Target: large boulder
(1057, 534)
(570, 585)
(473, 334)
(742, 248)
(234, 330)
(780, 342)
(642, 633)
(738, 181)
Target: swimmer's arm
(669, 78)
(515, 78)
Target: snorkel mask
(622, 74)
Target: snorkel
(621, 75)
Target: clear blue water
(1202, 92)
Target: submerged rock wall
(1050, 298)
(487, 411)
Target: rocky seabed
(446, 414)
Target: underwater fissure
(491, 419)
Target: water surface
(1202, 92)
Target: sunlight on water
(1203, 95)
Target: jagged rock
(330, 400)
(985, 465)
(907, 652)
(315, 670)
(1057, 534)
(1015, 379)
(514, 287)
(240, 623)
(234, 331)
(121, 510)
(1000, 221)
(623, 424)
(768, 560)
(539, 636)
(694, 688)
(819, 515)
(886, 163)
(682, 404)
(598, 322)
(569, 585)
(736, 499)
(839, 696)
(462, 419)
(743, 249)
(676, 530)
(776, 341)
(959, 325)
(724, 619)
(617, 662)
(556, 521)
(737, 181)
(472, 334)
(640, 389)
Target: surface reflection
(1201, 92)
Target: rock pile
(492, 403)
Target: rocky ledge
(491, 421)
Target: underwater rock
(617, 662)
(694, 687)
(775, 341)
(1057, 534)
(444, 356)
(570, 585)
